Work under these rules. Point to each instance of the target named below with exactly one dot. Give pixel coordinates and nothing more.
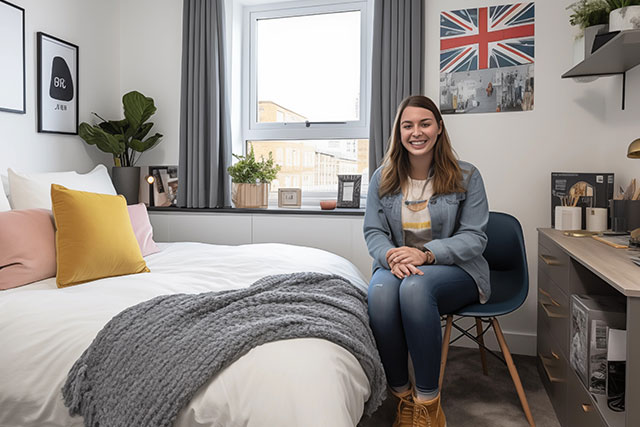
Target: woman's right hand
(405, 270)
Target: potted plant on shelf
(624, 15)
(125, 139)
(251, 180)
(591, 17)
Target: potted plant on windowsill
(591, 17)
(124, 138)
(251, 180)
(624, 15)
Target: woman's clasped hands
(403, 261)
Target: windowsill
(273, 210)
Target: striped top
(416, 219)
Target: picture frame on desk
(163, 186)
(57, 85)
(12, 52)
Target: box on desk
(589, 189)
(591, 316)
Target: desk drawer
(581, 410)
(553, 305)
(552, 367)
(554, 262)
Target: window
(307, 77)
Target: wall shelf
(617, 56)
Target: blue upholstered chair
(507, 259)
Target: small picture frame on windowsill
(349, 191)
(289, 197)
(163, 186)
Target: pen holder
(568, 218)
(596, 219)
(625, 214)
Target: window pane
(314, 165)
(308, 68)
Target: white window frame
(252, 129)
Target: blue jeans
(405, 319)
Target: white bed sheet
(310, 382)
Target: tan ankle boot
(428, 413)
(404, 414)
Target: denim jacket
(458, 224)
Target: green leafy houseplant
(587, 13)
(124, 138)
(249, 171)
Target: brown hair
(447, 177)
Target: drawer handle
(586, 407)
(555, 355)
(550, 260)
(548, 365)
(552, 311)
(548, 295)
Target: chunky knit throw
(147, 363)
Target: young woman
(424, 227)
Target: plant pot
(126, 180)
(625, 18)
(582, 46)
(250, 195)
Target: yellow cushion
(94, 237)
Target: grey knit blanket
(147, 363)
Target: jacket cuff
(383, 258)
(440, 252)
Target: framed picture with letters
(57, 85)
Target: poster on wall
(487, 59)
(57, 85)
(12, 69)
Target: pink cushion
(142, 229)
(27, 247)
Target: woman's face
(419, 131)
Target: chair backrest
(507, 258)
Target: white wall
(90, 25)
(150, 46)
(574, 127)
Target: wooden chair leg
(512, 370)
(445, 349)
(483, 355)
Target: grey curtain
(205, 137)
(398, 55)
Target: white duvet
(302, 382)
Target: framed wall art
(57, 85)
(12, 68)
(349, 191)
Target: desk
(572, 265)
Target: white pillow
(33, 191)
(4, 203)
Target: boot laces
(421, 413)
(405, 410)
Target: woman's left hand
(406, 255)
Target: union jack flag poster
(487, 58)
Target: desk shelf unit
(571, 265)
(617, 56)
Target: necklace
(419, 203)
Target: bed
(44, 330)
